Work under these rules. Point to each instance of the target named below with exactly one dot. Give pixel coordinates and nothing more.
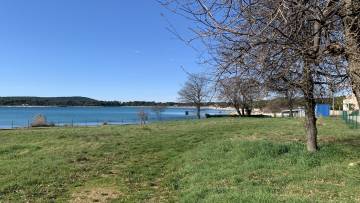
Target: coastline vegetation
(84, 101)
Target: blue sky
(103, 49)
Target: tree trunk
(248, 112)
(354, 70)
(333, 101)
(355, 81)
(289, 98)
(243, 111)
(352, 36)
(238, 110)
(310, 117)
(310, 125)
(198, 115)
(308, 89)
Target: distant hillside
(84, 101)
(74, 101)
(50, 101)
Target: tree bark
(290, 104)
(198, 111)
(310, 125)
(310, 117)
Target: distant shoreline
(56, 106)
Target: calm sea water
(14, 117)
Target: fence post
(353, 119)
(345, 117)
(356, 122)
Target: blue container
(322, 110)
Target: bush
(40, 121)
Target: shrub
(40, 121)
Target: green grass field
(214, 160)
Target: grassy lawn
(214, 160)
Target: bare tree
(283, 88)
(230, 90)
(290, 95)
(143, 116)
(334, 88)
(274, 106)
(275, 38)
(39, 121)
(195, 91)
(302, 52)
(158, 110)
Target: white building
(297, 112)
(350, 103)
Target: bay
(18, 117)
